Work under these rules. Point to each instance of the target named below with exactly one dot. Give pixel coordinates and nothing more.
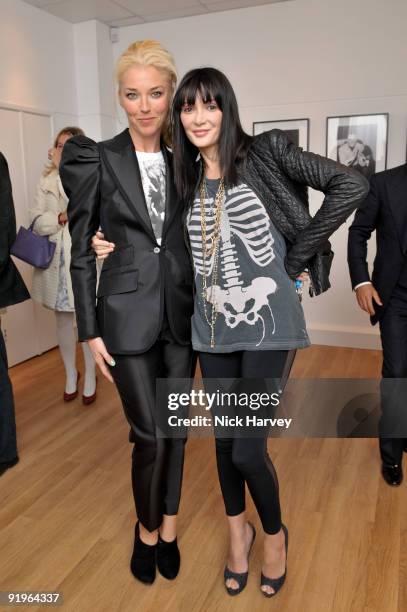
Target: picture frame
(297, 130)
(359, 141)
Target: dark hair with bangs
(211, 84)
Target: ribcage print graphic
(244, 218)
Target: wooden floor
(66, 510)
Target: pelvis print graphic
(243, 217)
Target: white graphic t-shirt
(152, 170)
(255, 299)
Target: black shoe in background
(392, 474)
(6, 465)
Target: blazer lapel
(397, 198)
(172, 202)
(121, 160)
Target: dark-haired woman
(250, 236)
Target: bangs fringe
(199, 84)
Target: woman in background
(52, 287)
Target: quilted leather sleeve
(344, 189)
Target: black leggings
(245, 460)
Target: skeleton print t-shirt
(256, 303)
(152, 170)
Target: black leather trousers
(157, 463)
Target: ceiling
(130, 12)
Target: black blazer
(12, 287)
(384, 210)
(103, 184)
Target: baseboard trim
(353, 337)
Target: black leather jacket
(279, 173)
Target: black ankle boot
(168, 558)
(143, 559)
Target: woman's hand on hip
(101, 356)
(303, 277)
(102, 247)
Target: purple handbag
(35, 250)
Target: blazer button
(156, 249)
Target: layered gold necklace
(210, 248)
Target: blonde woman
(140, 328)
(52, 287)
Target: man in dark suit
(12, 291)
(384, 295)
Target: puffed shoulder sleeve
(80, 175)
(80, 157)
(345, 189)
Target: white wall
(305, 58)
(49, 65)
(36, 61)
(94, 79)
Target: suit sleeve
(344, 189)
(7, 214)
(80, 174)
(363, 225)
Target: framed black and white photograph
(358, 141)
(297, 130)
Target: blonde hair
(149, 53)
(72, 131)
